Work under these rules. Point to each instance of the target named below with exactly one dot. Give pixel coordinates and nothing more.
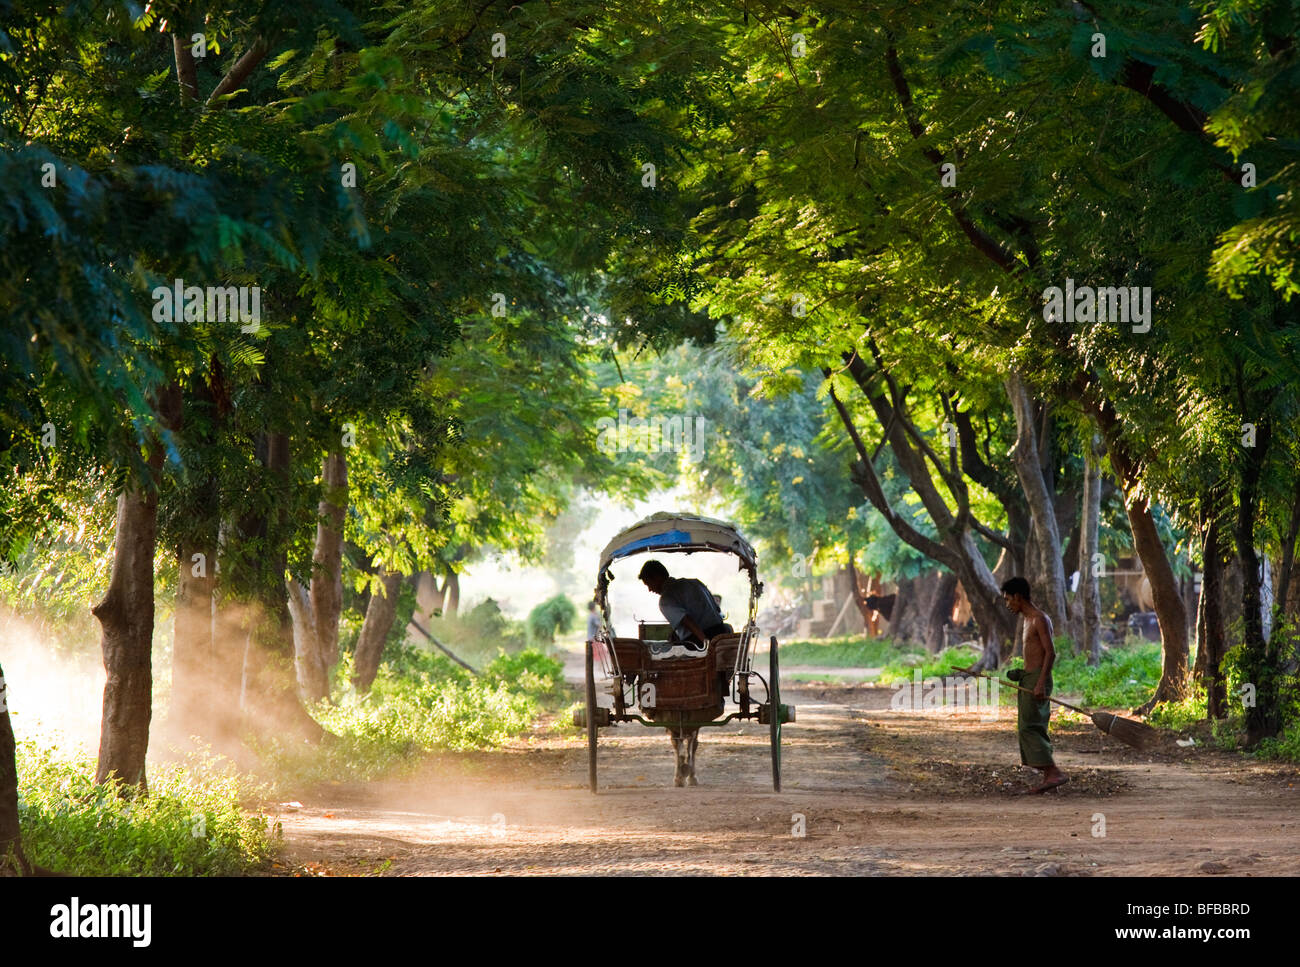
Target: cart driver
(687, 603)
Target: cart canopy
(679, 532)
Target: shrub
(1180, 716)
(481, 633)
(1124, 677)
(190, 823)
(550, 618)
(530, 672)
(931, 666)
(420, 702)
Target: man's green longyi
(1031, 722)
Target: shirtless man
(1034, 711)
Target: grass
(846, 652)
(1124, 678)
(1181, 716)
(195, 820)
(420, 702)
(190, 824)
(904, 669)
(811, 677)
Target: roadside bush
(530, 672)
(1285, 747)
(931, 666)
(1125, 676)
(481, 633)
(1238, 672)
(1181, 716)
(420, 702)
(550, 618)
(190, 823)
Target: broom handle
(1072, 708)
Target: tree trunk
(1211, 637)
(1050, 596)
(940, 612)
(996, 624)
(313, 679)
(1089, 594)
(327, 561)
(374, 630)
(1262, 717)
(429, 597)
(453, 594)
(12, 860)
(315, 611)
(1070, 564)
(1170, 612)
(956, 548)
(1286, 585)
(860, 595)
(903, 620)
(269, 699)
(126, 617)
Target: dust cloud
(54, 698)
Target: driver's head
(653, 575)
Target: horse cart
(678, 689)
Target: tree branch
(978, 237)
(911, 462)
(237, 74)
(864, 475)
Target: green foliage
(1285, 747)
(423, 701)
(846, 652)
(553, 616)
(535, 674)
(930, 666)
(1123, 678)
(481, 633)
(1242, 667)
(420, 702)
(808, 183)
(1181, 716)
(190, 824)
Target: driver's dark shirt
(688, 596)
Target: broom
(1137, 734)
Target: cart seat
(672, 651)
(631, 655)
(724, 650)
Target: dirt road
(878, 790)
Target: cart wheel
(774, 713)
(591, 720)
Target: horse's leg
(691, 745)
(679, 772)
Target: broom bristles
(1137, 734)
